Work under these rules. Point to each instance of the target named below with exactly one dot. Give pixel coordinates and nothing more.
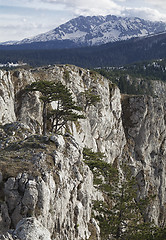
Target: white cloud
(161, 2)
(89, 7)
(116, 7)
(24, 19)
(95, 7)
(157, 3)
(33, 4)
(17, 27)
(145, 13)
(98, 8)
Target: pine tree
(65, 110)
(120, 215)
(90, 98)
(48, 94)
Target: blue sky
(26, 18)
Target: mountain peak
(96, 30)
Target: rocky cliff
(46, 190)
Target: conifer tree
(48, 94)
(120, 215)
(65, 108)
(90, 98)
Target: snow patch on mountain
(97, 30)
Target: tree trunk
(44, 118)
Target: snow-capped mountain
(96, 30)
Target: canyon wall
(46, 189)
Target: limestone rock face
(30, 228)
(7, 113)
(102, 129)
(55, 202)
(46, 190)
(145, 127)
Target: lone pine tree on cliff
(65, 108)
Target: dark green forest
(131, 78)
(111, 54)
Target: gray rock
(58, 195)
(30, 228)
(1, 177)
(7, 113)
(144, 118)
(7, 236)
(30, 195)
(54, 139)
(5, 220)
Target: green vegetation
(19, 148)
(65, 108)
(135, 78)
(106, 55)
(120, 215)
(90, 98)
(152, 70)
(48, 94)
(66, 75)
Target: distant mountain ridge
(91, 31)
(117, 53)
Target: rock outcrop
(46, 189)
(55, 194)
(6, 98)
(144, 125)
